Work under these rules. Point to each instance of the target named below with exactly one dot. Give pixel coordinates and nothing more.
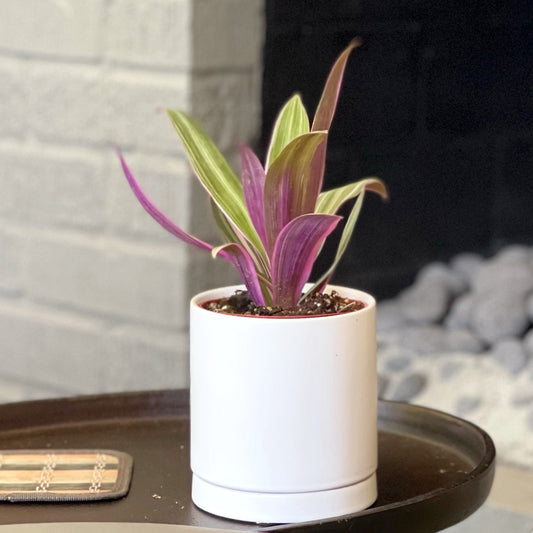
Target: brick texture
(12, 262)
(83, 104)
(93, 293)
(154, 359)
(225, 106)
(52, 187)
(58, 352)
(165, 180)
(13, 94)
(227, 34)
(66, 103)
(51, 28)
(157, 33)
(103, 277)
(134, 116)
(62, 355)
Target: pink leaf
(330, 95)
(253, 183)
(295, 252)
(233, 253)
(293, 183)
(156, 214)
(242, 261)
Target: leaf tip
(173, 113)
(356, 42)
(381, 189)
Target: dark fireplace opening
(437, 102)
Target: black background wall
(437, 102)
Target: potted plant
(283, 372)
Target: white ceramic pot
(283, 413)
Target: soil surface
(240, 303)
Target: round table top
(434, 469)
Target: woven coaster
(63, 475)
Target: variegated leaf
(292, 183)
(156, 214)
(331, 201)
(242, 261)
(215, 174)
(295, 251)
(253, 184)
(291, 122)
(330, 95)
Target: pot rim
(199, 299)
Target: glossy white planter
(283, 413)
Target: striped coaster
(63, 475)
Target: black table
(434, 469)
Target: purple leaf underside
(241, 260)
(156, 214)
(233, 253)
(330, 95)
(293, 183)
(253, 184)
(294, 254)
(163, 220)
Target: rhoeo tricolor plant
(275, 219)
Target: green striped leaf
(291, 122)
(233, 235)
(223, 225)
(215, 174)
(329, 202)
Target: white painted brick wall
(56, 351)
(90, 105)
(108, 278)
(154, 359)
(157, 33)
(57, 354)
(165, 179)
(134, 115)
(225, 107)
(13, 94)
(12, 263)
(93, 293)
(54, 28)
(65, 103)
(226, 34)
(52, 186)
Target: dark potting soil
(240, 303)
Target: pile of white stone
(460, 339)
